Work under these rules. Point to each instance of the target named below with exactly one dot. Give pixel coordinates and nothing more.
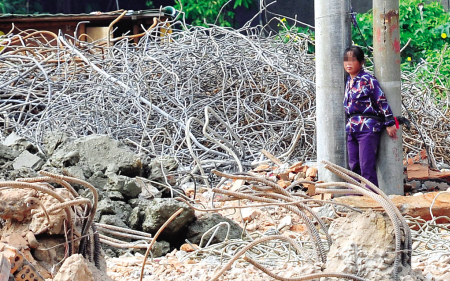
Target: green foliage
(20, 7)
(426, 30)
(365, 24)
(288, 33)
(201, 11)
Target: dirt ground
(175, 267)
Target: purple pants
(362, 154)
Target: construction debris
(270, 212)
(189, 105)
(13, 263)
(419, 205)
(58, 216)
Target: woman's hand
(392, 131)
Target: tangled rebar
(197, 94)
(425, 99)
(430, 237)
(208, 96)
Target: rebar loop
(125, 235)
(248, 90)
(122, 230)
(430, 237)
(117, 243)
(387, 206)
(57, 207)
(283, 195)
(51, 179)
(402, 232)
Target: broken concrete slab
(19, 143)
(75, 172)
(97, 153)
(127, 186)
(349, 247)
(134, 220)
(119, 209)
(415, 206)
(149, 191)
(27, 160)
(53, 140)
(115, 195)
(160, 167)
(112, 220)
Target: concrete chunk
(7, 153)
(27, 160)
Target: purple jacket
(366, 97)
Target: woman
(368, 114)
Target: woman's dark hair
(357, 52)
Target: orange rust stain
(391, 17)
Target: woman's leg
(353, 153)
(368, 150)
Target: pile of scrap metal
(43, 222)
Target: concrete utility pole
(333, 36)
(386, 44)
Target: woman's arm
(384, 107)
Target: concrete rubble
(363, 244)
(118, 174)
(135, 194)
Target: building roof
(163, 12)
